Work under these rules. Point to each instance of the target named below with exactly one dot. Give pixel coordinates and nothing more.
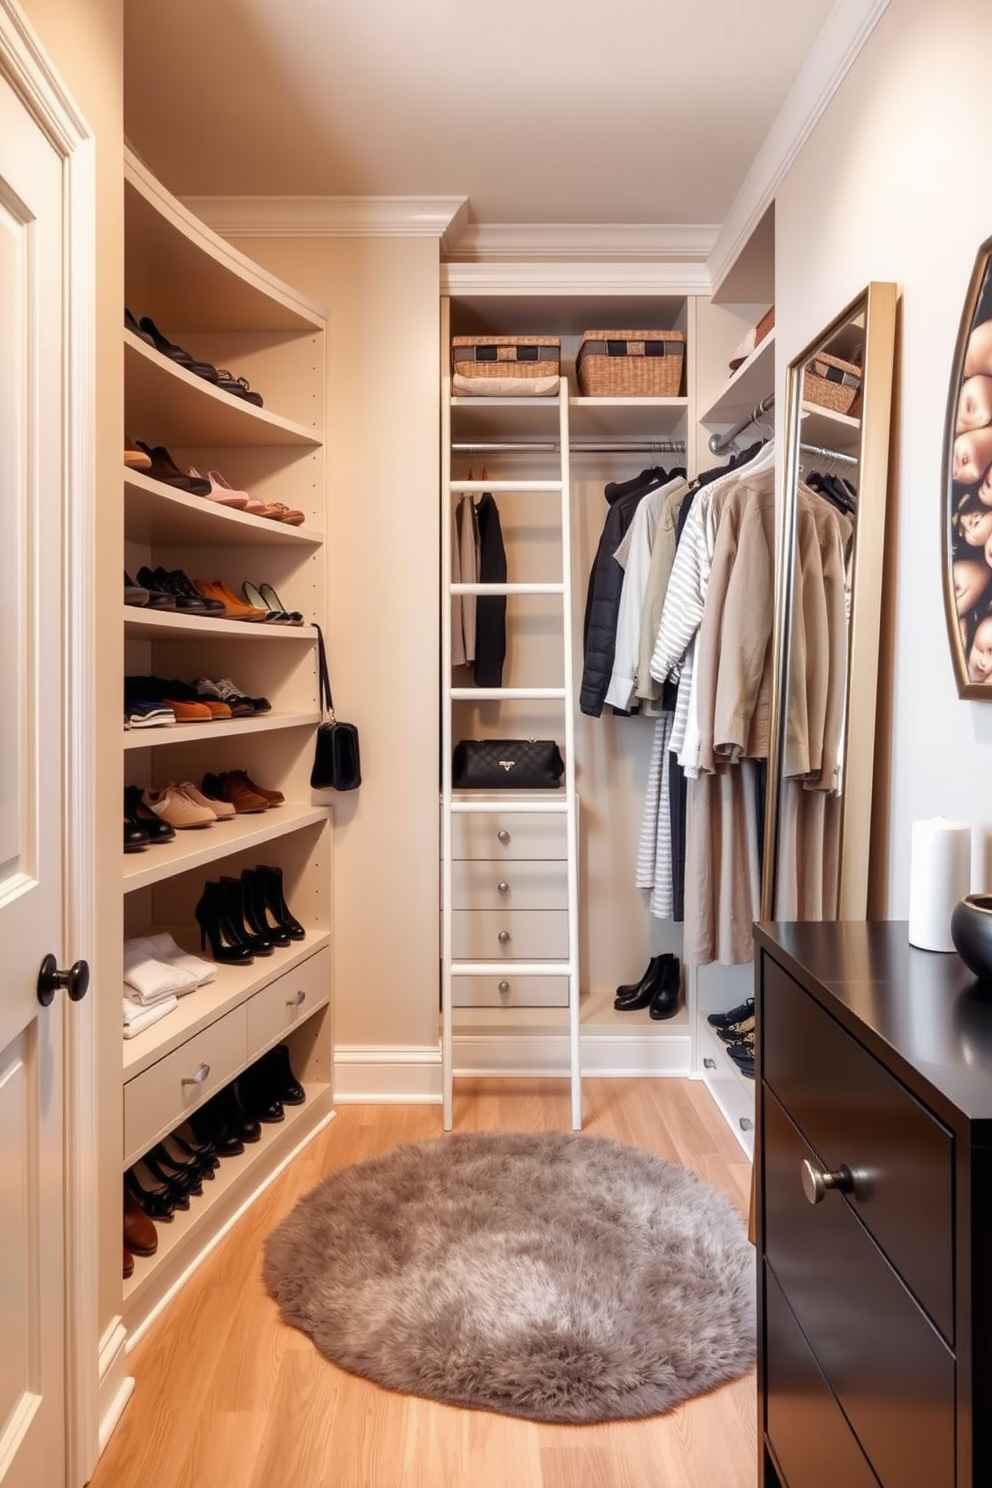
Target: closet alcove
(610, 439)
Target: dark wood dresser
(873, 1173)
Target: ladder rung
(507, 588)
(506, 485)
(505, 694)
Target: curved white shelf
(196, 847)
(158, 514)
(230, 987)
(165, 625)
(192, 276)
(165, 404)
(241, 728)
(745, 389)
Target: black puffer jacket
(603, 597)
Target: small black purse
(336, 762)
(506, 764)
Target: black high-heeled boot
(208, 1125)
(257, 1096)
(225, 943)
(279, 1073)
(665, 1002)
(276, 902)
(257, 915)
(646, 988)
(236, 1118)
(631, 989)
(237, 914)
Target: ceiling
(536, 111)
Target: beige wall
(884, 189)
(85, 42)
(382, 618)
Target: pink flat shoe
(221, 491)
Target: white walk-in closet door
(32, 1435)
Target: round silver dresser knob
(816, 1182)
(503, 836)
(503, 887)
(503, 987)
(504, 937)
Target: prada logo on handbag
(507, 764)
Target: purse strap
(326, 700)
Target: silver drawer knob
(199, 1077)
(503, 836)
(298, 1000)
(503, 987)
(816, 1182)
(503, 887)
(504, 937)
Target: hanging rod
(617, 447)
(828, 454)
(720, 443)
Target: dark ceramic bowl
(971, 932)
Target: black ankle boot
(645, 989)
(237, 915)
(665, 1002)
(226, 945)
(280, 1077)
(630, 989)
(257, 916)
(275, 902)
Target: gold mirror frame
(967, 561)
(877, 305)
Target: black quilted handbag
(337, 763)
(507, 764)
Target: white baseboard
(377, 1076)
(116, 1384)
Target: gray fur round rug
(560, 1277)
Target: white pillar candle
(939, 875)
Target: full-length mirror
(828, 599)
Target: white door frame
(29, 70)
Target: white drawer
(529, 935)
(509, 991)
(508, 834)
(526, 883)
(163, 1095)
(289, 1000)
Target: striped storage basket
(630, 364)
(832, 383)
(485, 357)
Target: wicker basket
(505, 356)
(831, 383)
(630, 364)
(765, 324)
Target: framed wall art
(967, 477)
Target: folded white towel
(155, 967)
(137, 1017)
(162, 947)
(504, 387)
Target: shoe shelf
(195, 277)
(155, 513)
(231, 986)
(235, 1184)
(753, 381)
(166, 404)
(160, 625)
(221, 728)
(197, 847)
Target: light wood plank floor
(228, 1397)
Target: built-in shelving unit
(208, 298)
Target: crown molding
(560, 241)
(441, 217)
(545, 277)
(849, 26)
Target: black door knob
(76, 980)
